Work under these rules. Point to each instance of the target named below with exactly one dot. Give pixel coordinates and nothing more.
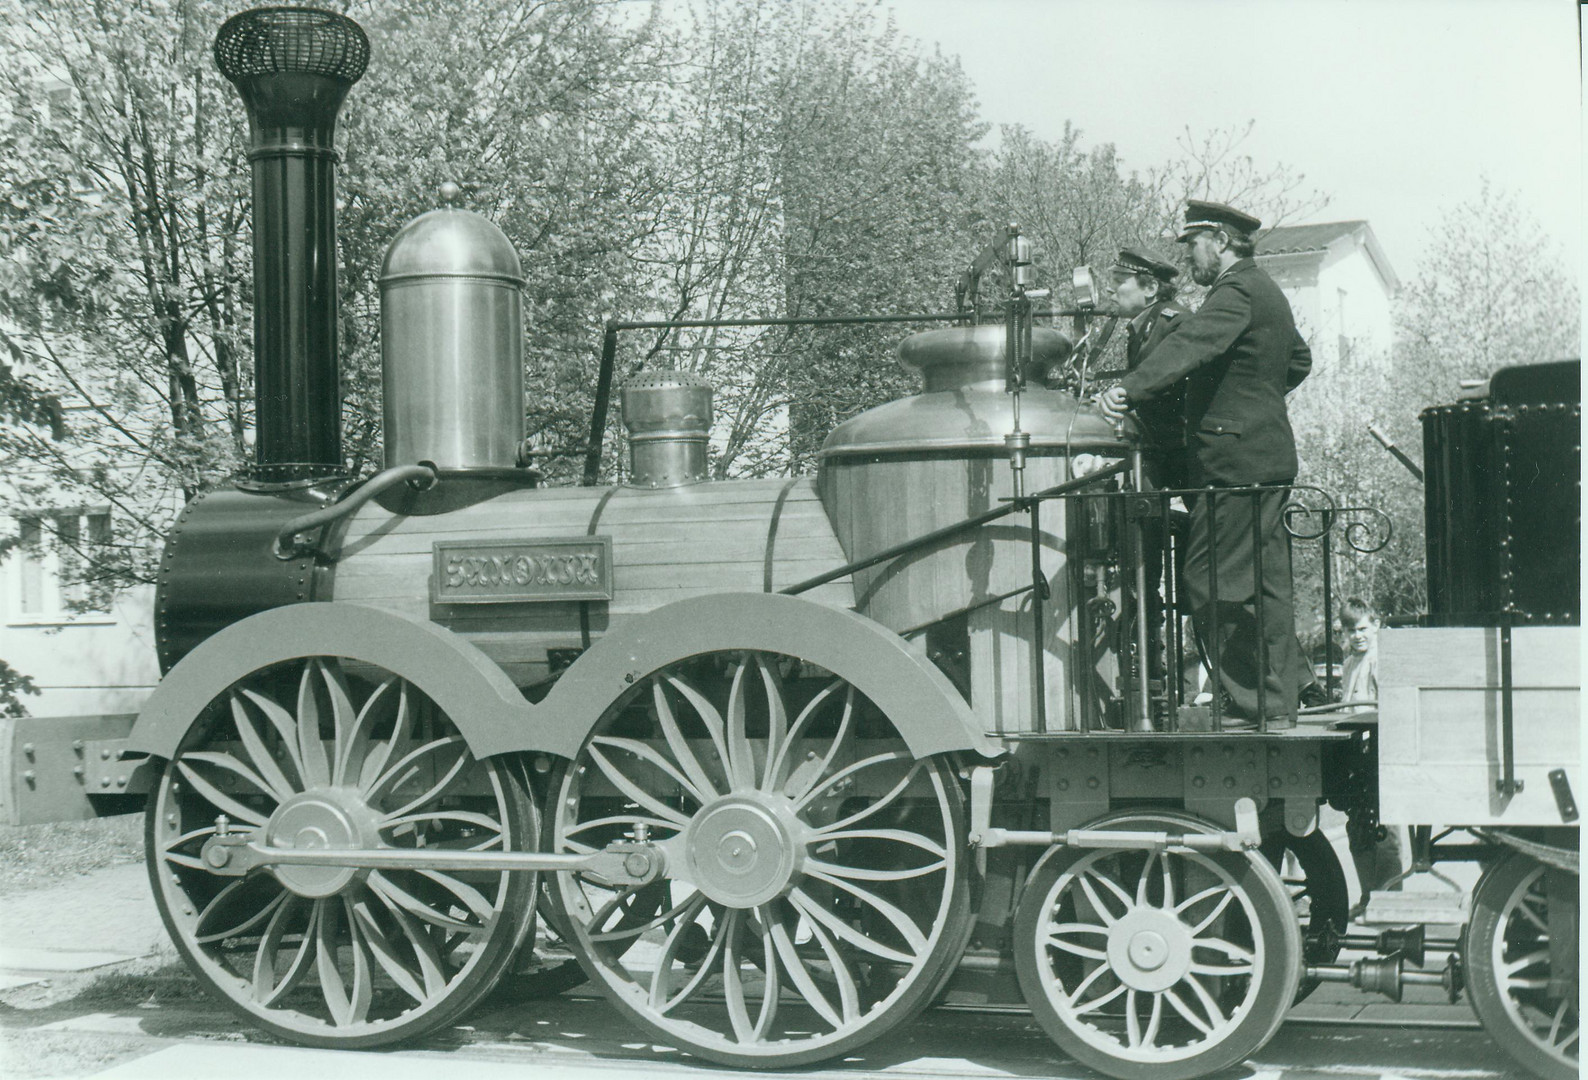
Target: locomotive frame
(853, 751)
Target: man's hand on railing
(1112, 402)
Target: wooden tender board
(1439, 724)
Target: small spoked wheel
(319, 753)
(1156, 964)
(816, 887)
(1526, 1003)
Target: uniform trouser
(1250, 566)
(1154, 535)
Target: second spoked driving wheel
(1156, 964)
(816, 886)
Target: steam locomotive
(775, 763)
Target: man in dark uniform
(1144, 292)
(1238, 356)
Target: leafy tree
(121, 275)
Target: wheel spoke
(344, 718)
(1054, 941)
(435, 790)
(741, 759)
(1150, 1036)
(900, 921)
(432, 968)
(348, 1004)
(708, 716)
(1097, 972)
(1212, 916)
(871, 808)
(258, 753)
(679, 744)
(857, 873)
(707, 964)
(1146, 877)
(897, 836)
(471, 897)
(662, 974)
(457, 817)
(732, 985)
(1527, 960)
(848, 992)
(814, 911)
(650, 756)
(665, 917)
(1099, 1002)
(604, 913)
(1187, 1013)
(408, 767)
(840, 738)
(267, 988)
(354, 747)
(778, 762)
(241, 928)
(634, 792)
(851, 770)
(1214, 1013)
(386, 955)
(374, 765)
(777, 717)
(1525, 910)
(218, 799)
(1108, 917)
(801, 978)
(285, 726)
(1132, 1021)
(1228, 948)
(311, 751)
(389, 890)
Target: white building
(1339, 282)
(84, 662)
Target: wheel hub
(741, 850)
(1149, 950)
(318, 820)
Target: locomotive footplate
(1085, 776)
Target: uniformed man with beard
(1235, 359)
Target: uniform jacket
(1239, 355)
(1162, 418)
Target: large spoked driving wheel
(816, 887)
(1526, 1003)
(1156, 964)
(321, 754)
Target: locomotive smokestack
(293, 68)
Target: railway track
(129, 1026)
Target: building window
(46, 570)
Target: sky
(1394, 108)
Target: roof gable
(1317, 239)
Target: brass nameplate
(521, 571)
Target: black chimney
(293, 68)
